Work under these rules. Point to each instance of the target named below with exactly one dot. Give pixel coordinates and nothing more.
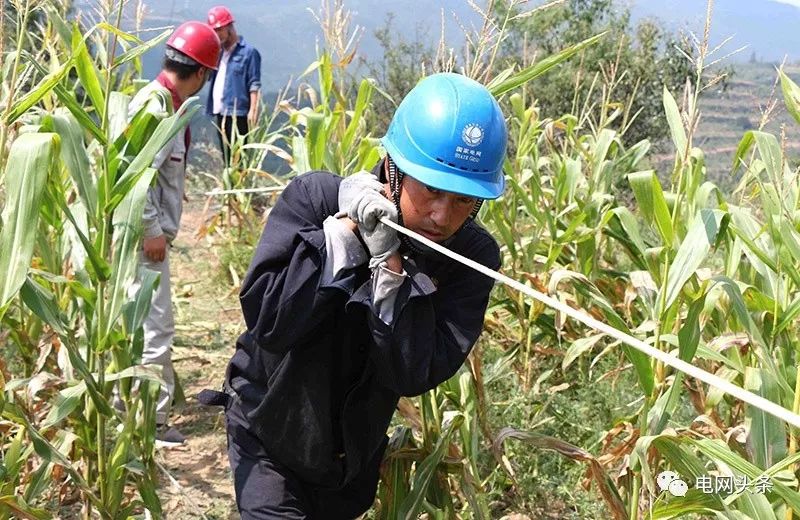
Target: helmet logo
(178, 42)
(472, 134)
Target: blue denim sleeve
(254, 71)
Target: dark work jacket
(318, 373)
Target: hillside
(727, 114)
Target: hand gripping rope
(676, 363)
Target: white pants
(159, 329)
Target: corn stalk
(76, 179)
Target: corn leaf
(101, 268)
(21, 509)
(49, 453)
(578, 347)
(789, 316)
(745, 144)
(791, 95)
(605, 485)
(166, 130)
(135, 311)
(41, 478)
(426, 472)
(37, 93)
(69, 101)
(689, 339)
(116, 465)
(759, 346)
(498, 88)
(681, 459)
(705, 233)
(695, 501)
(395, 473)
(716, 449)
(640, 361)
(141, 48)
(769, 149)
(30, 160)
(147, 490)
(752, 505)
(43, 304)
(316, 140)
(652, 203)
(676, 129)
(87, 72)
(127, 225)
(75, 157)
(766, 441)
(362, 101)
(14, 459)
(62, 407)
(625, 229)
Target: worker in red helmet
(191, 54)
(233, 99)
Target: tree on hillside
(402, 63)
(638, 59)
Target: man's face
(225, 35)
(433, 213)
(198, 79)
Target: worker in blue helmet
(344, 316)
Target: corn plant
(243, 173)
(689, 290)
(433, 466)
(329, 133)
(75, 183)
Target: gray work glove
(366, 210)
(353, 186)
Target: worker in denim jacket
(233, 99)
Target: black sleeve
(281, 293)
(434, 329)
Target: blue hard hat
(449, 133)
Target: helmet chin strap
(395, 185)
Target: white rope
(271, 189)
(676, 363)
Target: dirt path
(207, 322)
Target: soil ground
(208, 320)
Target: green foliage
(708, 276)
(75, 182)
(398, 70)
(639, 61)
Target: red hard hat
(198, 41)
(219, 16)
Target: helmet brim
(219, 25)
(454, 183)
